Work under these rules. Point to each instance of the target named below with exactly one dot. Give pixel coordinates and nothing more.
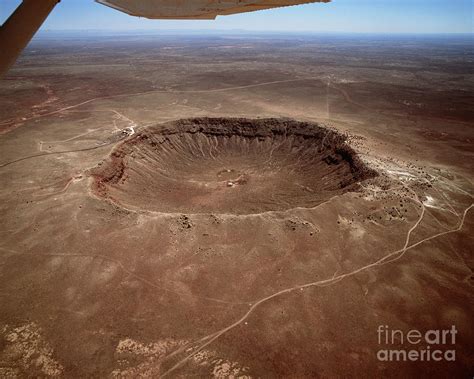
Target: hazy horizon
(243, 31)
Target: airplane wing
(196, 9)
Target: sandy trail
(389, 258)
(37, 116)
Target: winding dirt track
(69, 107)
(391, 257)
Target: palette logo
(429, 346)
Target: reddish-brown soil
(163, 215)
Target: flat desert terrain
(236, 206)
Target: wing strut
(20, 27)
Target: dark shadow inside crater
(229, 165)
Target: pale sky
(363, 16)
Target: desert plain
(238, 205)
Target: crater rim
(116, 179)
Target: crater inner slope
(229, 165)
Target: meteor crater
(229, 166)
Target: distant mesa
(229, 166)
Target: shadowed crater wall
(229, 165)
